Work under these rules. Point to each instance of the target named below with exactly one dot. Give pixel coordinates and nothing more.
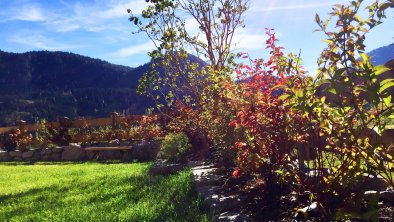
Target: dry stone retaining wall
(141, 151)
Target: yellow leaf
(323, 99)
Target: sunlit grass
(95, 192)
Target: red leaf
(237, 172)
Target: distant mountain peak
(382, 55)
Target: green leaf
(364, 57)
(329, 41)
(358, 18)
(299, 92)
(323, 99)
(380, 69)
(340, 72)
(283, 97)
(387, 100)
(332, 90)
(322, 81)
(317, 19)
(385, 84)
(384, 6)
(279, 87)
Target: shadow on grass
(165, 198)
(23, 163)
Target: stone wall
(141, 151)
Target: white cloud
(32, 13)
(65, 25)
(247, 39)
(119, 9)
(39, 41)
(133, 50)
(275, 6)
(95, 17)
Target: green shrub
(175, 146)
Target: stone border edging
(221, 208)
(139, 150)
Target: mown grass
(95, 192)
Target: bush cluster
(280, 125)
(175, 146)
(63, 134)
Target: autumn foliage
(261, 114)
(278, 124)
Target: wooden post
(115, 116)
(65, 122)
(22, 125)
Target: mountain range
(49, 85)
(382, 55)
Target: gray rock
(91, 154)
(45, 157)
(222, 208)
(218, 203)
(114, 142)
(145, 150)
(57, 149)
(110, 155)
(124, 143)
(375, 183)
(205, 175)
(45, 151)
(73, 153)
(127, 156)
(75, 145)
(101, 144)
(55, 157)
(231, 216)
(387, 195)
(16, 153)
(28, 155)
(206, 192)
(36, 156)
(163, 168)
(105, 154)
(5, 156)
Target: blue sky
(100, 28)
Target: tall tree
(195, 90)
(166, 23)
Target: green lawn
(95, 192)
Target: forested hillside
(43, 84)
